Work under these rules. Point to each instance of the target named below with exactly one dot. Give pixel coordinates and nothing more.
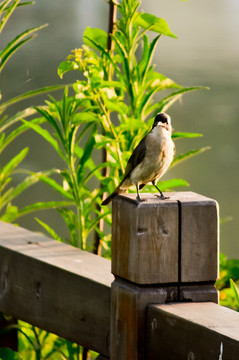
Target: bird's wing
(136, 157)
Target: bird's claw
(162, 197)
(139, 199)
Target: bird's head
(164, 120)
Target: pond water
(205, 53)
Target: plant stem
(106, 170)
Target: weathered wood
(199, 237)
(165, 241)
(55, 286)
(145, 239)
(128, 318)
(192, 331)
(162, 250)
(198, 293)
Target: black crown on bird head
(161, 117)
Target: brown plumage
(149, 160)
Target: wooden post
(162, 251)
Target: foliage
(9, 212)
(228, 282)
(37, 344)
(111, 109)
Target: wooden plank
(55, 286)
(145, 239)
(198, 293)
(192, 331)
(199, 237)
(128, 318)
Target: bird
(150, 159)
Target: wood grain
(128, 318)
(145, 239)
(56, 287)
(199, 221)
(192, 331)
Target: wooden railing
(161, 302)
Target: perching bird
(149, 160)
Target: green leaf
(71, 221)
(46, 135)
(53, 184)
(178, 135)
(187, 155)
(47, 115)
(9, 11)
(10, 213)
(8, 354)
(30, 94)
(66, 66)
(147, 55)
(166, 102)
(89, 146)
(17, 42)
(166, 185)
(157, 80)
(85, 117)
(7, 122)
(42, 206)
(13, 134)
(235, 289)
(14, 192)
(117, 106)
(97, 35)
(51, 232)
(153, 23)
(12, 164)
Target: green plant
(9, 130)
(111, 109)
(228, 282)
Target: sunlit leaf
(46, 135)
(30, 94)
(12, 164)
(153, 23)
(235, 289)
(66, 66)
(178, 135)
(43, 206)
(97, 35)
(166, 185)
(16, 43)
(188, 155)
(50, 231)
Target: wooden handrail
(192, 331)
(163, 252)
(55, 286)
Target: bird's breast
(158, 157)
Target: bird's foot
(139, 199)
(162, 197)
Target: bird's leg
(138, 197)
(161, 194)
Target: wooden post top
(153, 199)
(165, 241)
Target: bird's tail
(117, 191)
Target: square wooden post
(162, 251)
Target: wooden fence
(160, 303)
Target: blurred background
(205, 53)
